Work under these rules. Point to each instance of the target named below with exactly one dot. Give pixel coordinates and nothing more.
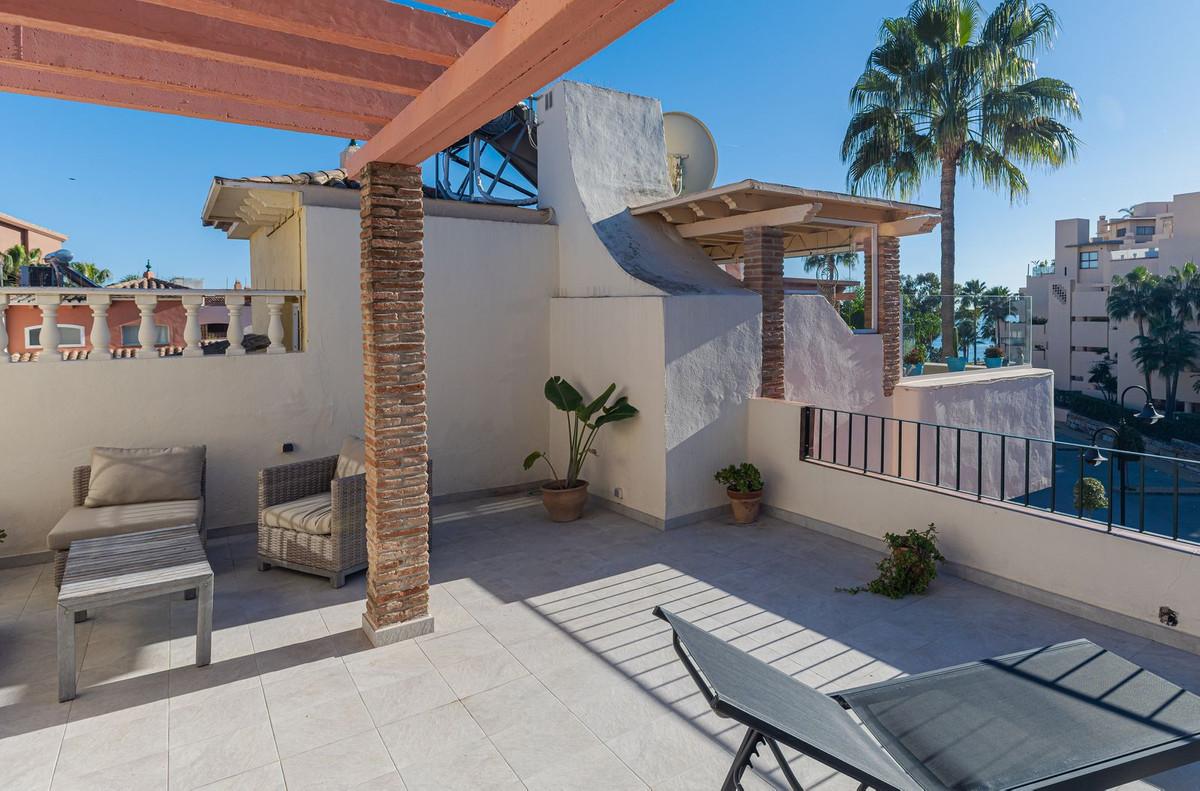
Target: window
(1089, 260)
(129, 335)
(1143, 230)
(68, 335)
(1121, 232)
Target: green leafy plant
(1093, 496)
(11, 261)
(915, 355)
(909, 568)
(583, 421)
(993, 352)
(743, 477)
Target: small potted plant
(993, 357)
(909, 567)
(565, 497)
(744, 485)
(914, 361)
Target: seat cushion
(307, 515)
(121, 476)
(115, 520)
(352, 460)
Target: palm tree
(1135, 296)
(997, 307)
(970, 303)
(11, 261)
(92, 272)
(826, 265)
(947, 92)
(1170, 349)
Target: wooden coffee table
(116, 569)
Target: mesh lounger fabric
(1067, 716)
(752, 692)
(1029, 719)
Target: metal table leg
(204, 614)
(66, 654)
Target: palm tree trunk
(949, 174)
(1149, 392)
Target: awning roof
(812, 220)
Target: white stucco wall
(242, 408)
(487, 324)
(487, 320)
(600, 152)
(827, 364)
(1016, 402)
(602, 340)
(1115, 572)
(713, 362)
(488, 288)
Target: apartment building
(1070, 292)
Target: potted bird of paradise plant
(564, 497)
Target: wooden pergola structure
(409, 81)
(752, 226)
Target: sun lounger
(1067, 716)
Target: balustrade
(50, 325)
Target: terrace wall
(487, 321)
(1119, 578)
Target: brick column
(888, 272)
(762, 271)
(394, 415)
(868, 281)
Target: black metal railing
(1138, 491)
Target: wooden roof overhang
(813, 221)
(410, 81)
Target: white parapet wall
(1120, 578)
(242, 408)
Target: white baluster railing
(101, 337)
(275, 326)
(42, 308)
(191, 330)
(234, 334)
(49, 304)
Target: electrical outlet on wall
(618, 493)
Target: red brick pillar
(868, 282)
(762, 271)
(887, 269)
(394, 417)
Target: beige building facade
(1071, 292)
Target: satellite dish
(691, 153)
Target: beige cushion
(144, 475)
(353, 458)
(306, 515)
(115, 520)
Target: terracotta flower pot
(745, 505)
(563, 504)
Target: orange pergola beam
(136, 97)
(161, 29)
(528, 47)
(73, 56)
(374, 25)
(481, 9)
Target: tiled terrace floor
(547, 670)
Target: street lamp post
(1147, 414)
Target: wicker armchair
(80, 479)
(344, 550)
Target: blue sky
(769, 77)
